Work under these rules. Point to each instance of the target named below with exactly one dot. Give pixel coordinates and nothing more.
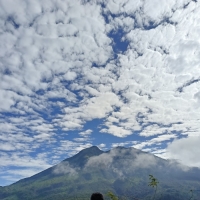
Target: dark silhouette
(96, 196)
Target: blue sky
(79, 73)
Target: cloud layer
(132, 65)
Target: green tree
(112, 196)
(153, 183)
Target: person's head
(96, 196)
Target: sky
(97, 72)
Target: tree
(112, 196)
(153, 183)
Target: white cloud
(70, 76)
(86, 133)
(64, 168)
(22, 160)
(130, 160)
(70, 148)
(22, 173)
(59, 69)
(117, 131)
(185, 151)
(159, 140)
(81, 139)
(102, 146)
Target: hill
(125, 171)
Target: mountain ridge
(121, 170)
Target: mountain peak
(92, 148)
(81, 158)
(90, 151)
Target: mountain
(124, 171)
(80, 159)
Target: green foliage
(153, 183)
(112, 196)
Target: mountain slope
(125, 171)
